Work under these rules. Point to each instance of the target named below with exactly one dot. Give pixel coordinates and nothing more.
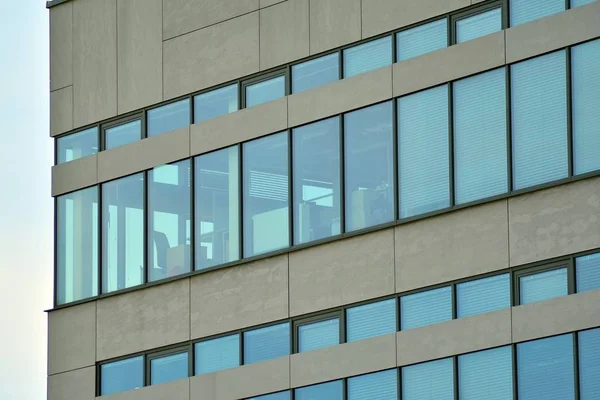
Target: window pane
(217, 181)
(586, 103)
(217, 354)
(368, 56)
(545, 369)
(478, 25)
(486, 375)
(215, 103)
(426, 308)
(318, 335)
(122, 375)
(377, 386)
(169, 117)
(77, 245)
(123, 233)
(265, 91)
(422, 39)
(589, 364)
(266, 225)
(483, 295)
(543, 286)
(123, 134)
(369, 166)
(316, 180)
(77, 145)
(324, 391)
(480, 164)
(266, 343)
(427, 381)
(169, 368)
(578, 3)
(423, 152)
(275, 396)
(587, 272)
(522, 11)
(169, 220)
(539, 120)
(317, 72)
(371, 320)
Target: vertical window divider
(345, 388)
(515, 379)
(399, 385)
(55, 255)
(454, 301)
(291, 203)
(569, 103)
(451, 142)
(240, 150)
(509, 162)
(504, 5)
(343, 325)
(144, 124)
(146, 228)
(191, 359)
(288, 80)
(395, 163)
(192, 177)
(100, 234)
(576, 364)
(191, 97)
(398, 315)
(341, 65)
(342, 158)
(571, 276)
(241, 343)
(146, 371)
(455, 376)
(394, 48)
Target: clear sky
(25, 202)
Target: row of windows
(358, 322)
(422, 153)
(344, 63)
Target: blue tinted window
(423, 152)
(217, 354)
(367, 56)
(318, 335)
(76, 145)
(480, 155)
(274, 396)
(422, 39)
(428, 381)
(377, 386)
(543, 286)
(478, 25)
(426, 308)
(585, 91)
(169, 117)
(578, 3)
(483, 295)
(589, 364)
(266, 343)
(324, 391)
(370, 320)
(486, 375)
(317, 72)
(169, 368)
(587, 272)
(539, 120)
(215, 103)
(123, 134)
(545, 369)
(522, 11)
(122, 375)
(265, 91)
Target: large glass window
(426, 308)
(169, 117)
(317, 72)
(422, 39)
(217, 182)
(77, 245)
(539, 120)
(215, 103)
(274, 396)
(483, 295)
(587, 272)
(217, 354)
(543, 286)
(545, 369)
(585, 94)
(123, 375)
(478, 25)
(123, 134)
(486, 375)
(264, 91)
(378, 386)
(324, 391)
(316, 180)
(589, 364)
(430, 380)
(168, 368)
(370, 320)
(579, 3)
(522, 11)
(317, 335)
(169, 213)
(369, 166)
(76, 145)
(367, 56)
(266, 343)
(123, 233)
(266, 215)
(480, 154)
(423, 152)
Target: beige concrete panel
(553, 33)
(253, 379)
(144, 154)
(61, 46)
(71, 338)
(94, 60)
(555, 222)
(458, 336)
(283, 33)
(144, 319)
(341, 272)
(74, 175)
(79, 384)
(379, 16)
(61, 110)
(174, 390)
(139, 53)
(204, 387)
(246, 124)
(213, 55)
(340, 96)
(238, 297)
(448, 64)
(452, 246)
(333, 23)
(553, 317)
(183, 16)
(267, 3)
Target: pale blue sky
(25, 202)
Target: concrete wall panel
(61, 110)
(333, 23)
(74, 175)
(174, 390)
(61, 46)
(79, 384)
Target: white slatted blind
(422, 39)
(589, 364)
(378, 386)
(371, 320)
(522, 11)
(426, 308)
(483, 295)
(217, 354)
(368, 56)
(266, 343)
(427, 381)
(479, 25)
(319, 335)
(486, 375)
(587, 271)
(543, 286)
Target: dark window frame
(477, 10)
(138, 116)
(262, 78)
(316, 318)
(566, 263)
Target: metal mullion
(191, 359)
(241, 346)
(340, 64)
(147, 370)
(395, 162)
(100, 235)
(515, 377)
(291, 183)
(192, 210)
(192, 111)
(450, 87)
(508, 129)
(144, 124)
(342, 175)
(576, 364)
(240, 200)
(571, 276)
(146, 227)
(569, 105)
(399, 383)
(394, 47)
(454, 301)
(455, 376)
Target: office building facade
(325, 199)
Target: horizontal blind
(426, 308)
(266, 343)
(169, 368)
(318, 335)
(522, 11)
(579, 3)
(217, 354)
(378, 386)
(483, 295)
(368, 56)
(587, 272)
(422, 39)
(324, 391)
(589, 364)
(315, 72)
(371, 320)
(274, 396)
(479, 25)
(431, 380)
(543, 286)
(123, 375)
(486, 375)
